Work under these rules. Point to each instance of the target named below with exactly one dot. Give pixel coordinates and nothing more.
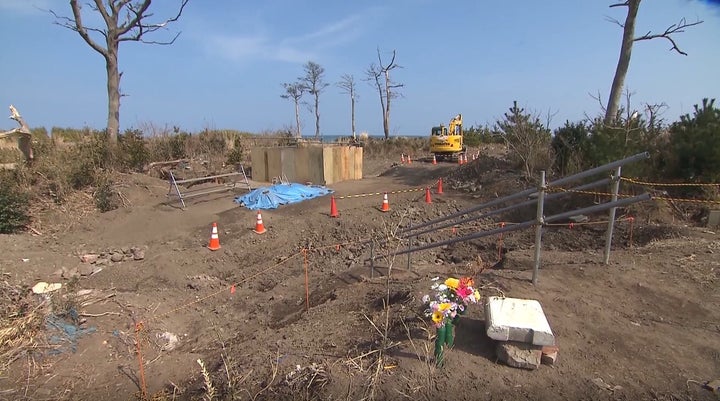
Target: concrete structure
(714, 218)
(316, 163)
(514, 319)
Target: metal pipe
(600, 169)
(210, 177)
(611, 217)
(530, 223)
(472, 209)
(539, 226)
(468, 237)
(598, 208)
(530, 191)
(511, 207)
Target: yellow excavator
(447, 142)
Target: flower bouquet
(450, 299)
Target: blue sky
(468, 56)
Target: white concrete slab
(515, 319)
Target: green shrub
(105, 198)
(86, 159)
(568, 145)
(133, 153)
(13, 209)
(694, 148)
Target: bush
(87, 159)
(133, 153)
(105, 198)
(568, 145)
(694, 148)
(13, 210)
(527, 138)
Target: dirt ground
(644, 327)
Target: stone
(86, 270)
(69, 274)
(117, 257)
(138, 254)
(89, 258)
(519, 355)
(515, 319)
(549, 355)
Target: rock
(89, 258)
(549, 355)
(519, 355)
(138, 253)
(101, 262)
(515, 319)
(117, 257)
(43, 287)
(70, 274)
(714, 386)
(86, 270)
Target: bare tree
(125, 20)
(295, 91)
(314, 85)
(378, 75)
(347, 84)
(23, 133)
(626, 51)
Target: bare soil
(644, 327)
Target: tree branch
(623, 4)
(77, 26)
(672, 29)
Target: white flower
(442, 287)
(435, 279)
(426, 299)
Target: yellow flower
(437, 317)
(477, 295)
(452, 282)
(444, 306)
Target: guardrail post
(372, 259)
(539, 226)
(611, 222)
(410, 244)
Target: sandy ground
(646, 326)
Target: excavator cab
(447, 142)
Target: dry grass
(22, 320)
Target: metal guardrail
(540, 221)
(175, 191)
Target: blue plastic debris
(280, 194)
(64, 333)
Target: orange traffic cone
(409, 160)
(385, 204)
(259, 227)
(214, 244)
(439, 190)
(333, 207)
(460, 159)
(402, 158)
(427, 195)
(434, 159)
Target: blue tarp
(280, 194)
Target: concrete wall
(319, 164)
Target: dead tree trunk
(24, 136)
